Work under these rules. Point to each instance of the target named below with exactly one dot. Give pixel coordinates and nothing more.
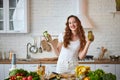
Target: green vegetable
(34, 75)
(19, 73)
(109, 76)
(99, 74)
(96, 75)
(15, 71)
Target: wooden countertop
(54, 61)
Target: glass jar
(90, 36)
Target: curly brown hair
(80, 32)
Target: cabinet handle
(106, 66)
(17, 31)
(32, 65)
(53, 66)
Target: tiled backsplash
(51, 16)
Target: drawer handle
(32, 65)
(106, 66)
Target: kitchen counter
(54, 61)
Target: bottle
(41, 70)
(4, 55)
(90, 36)
(46, 35)
(13, 62)
(10, 55)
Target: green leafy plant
(99, 74)
(96, 75)
(108, 76)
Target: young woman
(72, 45)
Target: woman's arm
(83, 53)
(56, 48)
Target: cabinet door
(1, 72)
(109, 68)
(19, 66)
(2, 19)
(13, 16)
(49, 68)
(7, 69)
(118, 71)
(30, 67)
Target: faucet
(28, 56)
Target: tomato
(21, 74)
(29, 78)
(18, 74)
(24, 78)
(12, 77)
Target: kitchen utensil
(89, 57)
(33, 48)
(103, 50)
(114, 57)
(40, 48)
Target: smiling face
(72, 24)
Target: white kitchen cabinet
(1, 72)
(108, 68)
(20, 66)
(92, 66)
(33, 67)
(30, 67)
(14, 16)
(118, 71)
(49, 68)
(6, 70)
